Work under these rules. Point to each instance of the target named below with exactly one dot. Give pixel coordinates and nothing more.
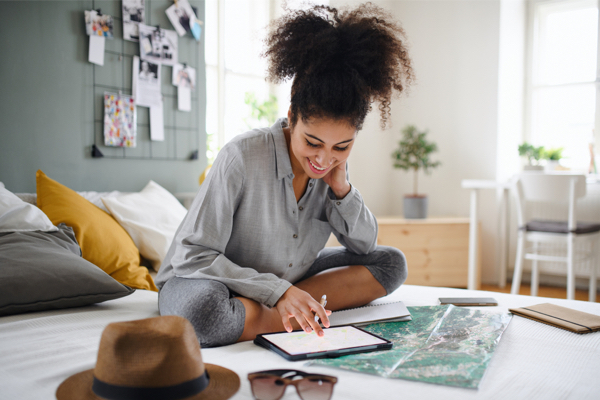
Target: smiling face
(318, 146)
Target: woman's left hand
(336, 179)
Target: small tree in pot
(413, 154)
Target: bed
(57, 334)
(39, 350)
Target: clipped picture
(157, 45)
(148, 72)
(97, 24)
(182, 16)
(119, 120)
(133, 15)
(146, 83)
(184, 76)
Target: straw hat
(155, 358)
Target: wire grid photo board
(182, 130)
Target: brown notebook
(560, 317)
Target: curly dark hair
(340, 61)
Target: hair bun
(363, 47)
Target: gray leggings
(218, 317)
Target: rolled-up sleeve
(200, 243)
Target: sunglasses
(270, 385)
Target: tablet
(469, 301)
(338, 341)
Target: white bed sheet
(533, 361)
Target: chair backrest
(556, 188)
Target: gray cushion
(44, 271)
(561, 227)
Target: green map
(446, 345)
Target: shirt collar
(282, 155)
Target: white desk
(589, 212)
(502, 239)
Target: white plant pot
(551, 165)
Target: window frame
(531, 59)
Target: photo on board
(97, 24)
(182, 16)
(158, 45)
(148, 72)
(146, 83)
(133, 15)
(184, 76)
(120, 120)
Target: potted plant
(533, 155)
(552, 157)
(413, 154)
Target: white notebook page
(370, 313)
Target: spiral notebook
(371, 313)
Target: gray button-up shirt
(245, 228)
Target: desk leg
(472, 282)
(504, 239)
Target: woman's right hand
(296, 303)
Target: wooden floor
(543, 291)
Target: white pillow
(19, 216)
(151, 218)
(96, 197)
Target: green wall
(48, 102)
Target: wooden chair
(556, 188)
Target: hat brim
(223, 384)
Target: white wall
(455, 48)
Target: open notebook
(384, 312)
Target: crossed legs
(349, 280)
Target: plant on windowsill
(413, 154)
(552, 157)
(533, 155)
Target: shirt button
(310, 184)
(295, 236)
(300, 208)
(338, 202)
(293, 211)
(290, 265)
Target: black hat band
(175, 392)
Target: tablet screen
(341, 337)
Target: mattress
(532, 361)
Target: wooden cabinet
(436, 249)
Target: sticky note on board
(96, 51)
(184, 98)
(157, 125)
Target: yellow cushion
(102, 240)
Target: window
(562, 84)
(235, 31)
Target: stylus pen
(323, 303)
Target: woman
(249, 257)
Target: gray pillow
(44, 271)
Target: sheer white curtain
(562, 84)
